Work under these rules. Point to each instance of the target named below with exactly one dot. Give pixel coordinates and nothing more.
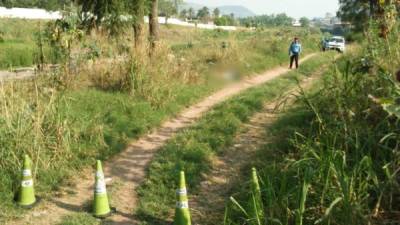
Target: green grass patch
(79, 219)
(17, 42)
(14, 55)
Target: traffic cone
(101, 207)
(182, 213)
(26, 195)
(257, 211)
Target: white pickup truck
(337, 43)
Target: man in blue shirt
(294, 52)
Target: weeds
(341, 163)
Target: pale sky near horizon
(293, 8)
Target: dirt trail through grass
(210, 201)
(128, 169)
(20, 73)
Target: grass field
(340, 165)
(194, 148)
(65, 121)
(17, 43)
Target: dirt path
(225, 176)
(127, 169)
(20, 73)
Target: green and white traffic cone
(101, 207)
(182, 212)
(26, 195)
(257, 211)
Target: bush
(356, 37)
(224, 21)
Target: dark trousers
(294, 58)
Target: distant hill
(238, 10)
(188, 5)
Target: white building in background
(175, 21)
(23, 13)
(296, 23)
(329, 21)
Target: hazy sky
(294, 8)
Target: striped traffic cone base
(29, 206)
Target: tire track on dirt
(128, 169)
(210, 201)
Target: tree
(191, 13)
(283, 20)
(203, 14)
(359, 12)
(177, 3)
(97, 10)
(138, 10)
(267, 20)
(305, 22)
(216, 13)
(9, 3)
(153, 25)
(356, 12)
(45, 4)
(53, 4)
(183, 14)
(224, 21)
(167, 8)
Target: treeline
(359, 13)
(110, 15)
(205, 15)
(267, 20)
(45, 4)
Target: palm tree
(191, 13)
(184, 14)
(216, 13)
(203, 14)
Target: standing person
(323, 44)
(294, 52)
